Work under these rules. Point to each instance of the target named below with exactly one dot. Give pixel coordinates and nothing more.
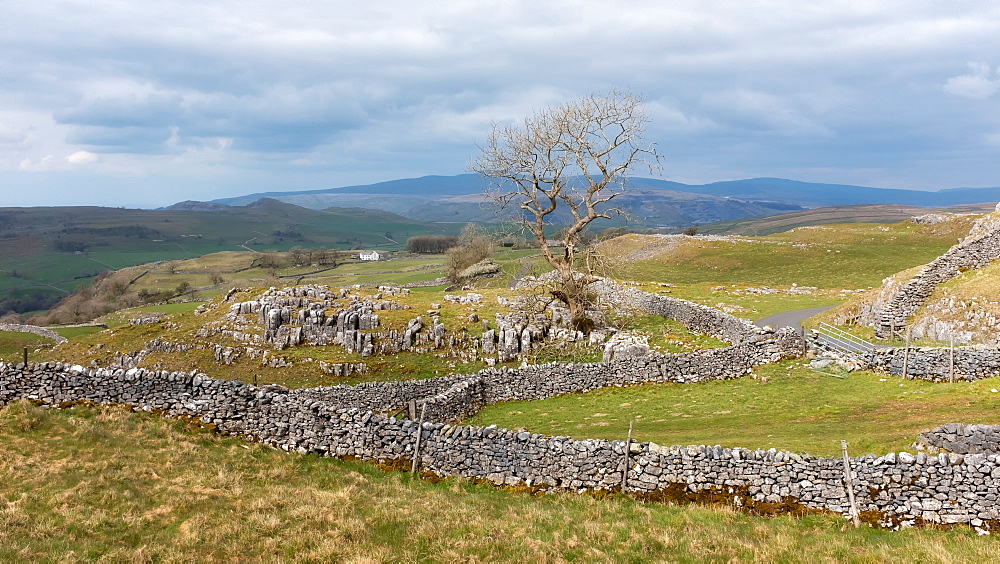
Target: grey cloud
(156, 110)
(129, 139)
(12, 135)
(976, 84)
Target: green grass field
(12, 344)
(788, 406)
(75, 332)
(830, 256)
(103, 483)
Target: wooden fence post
(628, 445)
(25, 357)
(849, 486)
(420, 433)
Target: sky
(144, 104)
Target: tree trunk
(578, 316)
(573, 295)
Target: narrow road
(520, 274)
(791, 318)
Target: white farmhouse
(369, 255)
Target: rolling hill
(47, 252)
(650, 202)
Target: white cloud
(45, 163)
(11, 135)
(975, 85)
(82, 158)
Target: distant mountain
(407, 193)
(863, 213)
(812, 194)
(191, 205)
(649, 201)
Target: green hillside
(857, 255)
(47, 252)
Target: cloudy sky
(143, 104)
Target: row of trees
(472, 246)
(431, 244)
(298, 256)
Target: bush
(478, 249)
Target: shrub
(478, 249)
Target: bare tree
(572, 158)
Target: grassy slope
(868, 213)
(107, 484)
(832, 256)
(978, 290)
(12, 344)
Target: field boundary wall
(897, 489)
(33, 329)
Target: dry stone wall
(753, 347)
(896, 489)
(452, 398)
(696, 317)
(33, 329)
(978, 249)
(936, 364)
(961, 439)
